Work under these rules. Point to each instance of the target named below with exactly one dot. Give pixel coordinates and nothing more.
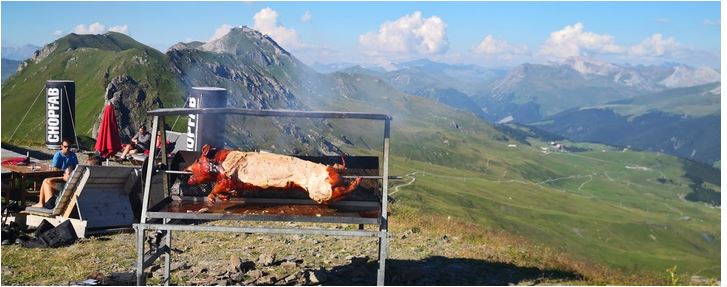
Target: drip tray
(269, 209)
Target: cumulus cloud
(266, 21)
(407, 35)
(573, 41)
(221, 32)
(500, 48)
(655, 46)
(709, 22)
(120, 29)
(307, 16)
(97, 28)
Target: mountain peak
(241, 40)
(589, 66)
(685, 76)
(113, 41)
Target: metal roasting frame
(162, 221)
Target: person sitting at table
(139, 143)
(50, 188)
(64, 157)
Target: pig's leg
(219, 190)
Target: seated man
(50, 188)
(64, 157)
(139, 143)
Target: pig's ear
(205, 150)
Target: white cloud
(410, 34)
(95, 28)
(98, 28)
(221, 32)
(120, 29)
(572, 41)
(57, 32)
(266, 21)
(709, 22)
(307, 16)
(662, 20)
(500, 48)
(655, 46)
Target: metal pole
(149, 169)
(383, 227)
(140, 280)
(163, 154)
(168, 254)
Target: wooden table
(33, 172)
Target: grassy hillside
(606, 213)
(694, 101)
(606, 207)
(91, 61)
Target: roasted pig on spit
(234, 171)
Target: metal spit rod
(344, 176)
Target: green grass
(693, 101)
(608, 221)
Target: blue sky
(483, 33)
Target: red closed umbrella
(108, 141)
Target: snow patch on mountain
(684, 76)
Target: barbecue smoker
(162, 212)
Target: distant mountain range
(555, 97)
(579, 82)
(9, 67)
(19, 53)
(683, 122)
(12, 57)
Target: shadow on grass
(438, 270)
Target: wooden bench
(95, 198)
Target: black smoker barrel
(206, 128)
(60, 112)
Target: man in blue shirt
(65, 157)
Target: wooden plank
(65, 207)
(105, 207)
(78, 225)
(118, 185)
(109, 180)
(110, 171)
(70, 207)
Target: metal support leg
(384, 225)
(167, 255)
(140, 278)
(383, 247)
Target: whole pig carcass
(234, 171)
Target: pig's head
(202, 169)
